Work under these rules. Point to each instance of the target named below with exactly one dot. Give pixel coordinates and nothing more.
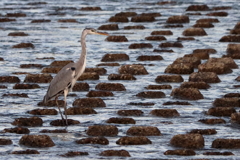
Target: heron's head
(94, 31)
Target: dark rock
(38, 78)
(54, 131)
(31, 66)
(108, 64)
(74, 154)
(150, 58)
(154, 14)
(187, 93)
(226, 143)
(16, 15)
(221, 8)
(5, 141)
(17, 130)
(203, 131)
(25, 86)
(141, 104)
(198, 85)
(180, 68)
(140, 45)
(208, 77)
(67, 21)
(226, 102)
(89, 102)
(194, 32)
(169, 44)
(134, 112)
(89, 76)
(180, 152)
(37, 3)
(51, 69)
(60, 63)
(157, 87)
(33, 122)
(233, 50)
(212, 121)
(81, 87)
(210, 20)
(174, 26)
(78, 110)
(231, 95)
(176, 103)
(23, 45)
(165, 113)
(60, 122)
(203, 7)
(235, 118)
(155, 38)
(163, 32)
(119, 153)
(43, 112)
(199, 55)
(218, 14)
(115, 57)
(116, 39)
(9, 79)
(17, 34)
(134, 27)
(203, 25)
(22, 95)
(188, 141)
(151, 94)
(110, 87)
(169, 78)
(143, 131)
(163, 50)
(36, 141)
(132, 69)
(102, 130)
(28, 151)
(91, 9)
(99, 93)
(218, 153)
(121, 77)
(40, 21)
(137, 140)
(221, 111)
(217, 67)
(185, 38)
(228, 61)
(93, 140)
(118, 19)
(108, 27)
(7, 20)
(126, 14)
(100, 71)
(194, 61)
(142, 19)
(230, 38)
(178, 19)
(52, 103)
(121, 120)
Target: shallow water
(61, 41)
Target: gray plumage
(66, 78)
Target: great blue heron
(66, 78)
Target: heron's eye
(93, 30)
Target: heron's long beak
(102, 33)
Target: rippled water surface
(61, 41)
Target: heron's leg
(65, 105)
(56, 99)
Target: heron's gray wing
(61, 81)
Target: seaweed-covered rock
(5, 141)
(89, 102)
(203, 7)
(121, 120)
(9, 79)
(24, 45)
(81, 87)
(108, 27)
(43, 112)
(178, 19)
(28, 151)
(118, 153)
(33, 122)
(132, 69)
(93, 140)
(36, 141)
(116, 39)
(179, 68)
(208, 77)
(221, 111)
(61, 122)
(102, 130)
(226, 143)
(180, 152)
(99, 94)
(133, 112)
(118, 19)
(25, 86)
(38, 78)
(121, 77)
(150, 58)
(17, 130)
(137, 140)
(187, 93)
(217, 67)
(203, 131)
(151, 94)
(143, 131)
(198, 85)
(110, 87)
(194, 32)
(188, 141)
(158, 87)
(142, 18)
(227, 102)
(165, 113)
(79, 110)
(140, 45)
(115, 57)
(169, 78)
(212, 121)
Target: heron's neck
(84, 48)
